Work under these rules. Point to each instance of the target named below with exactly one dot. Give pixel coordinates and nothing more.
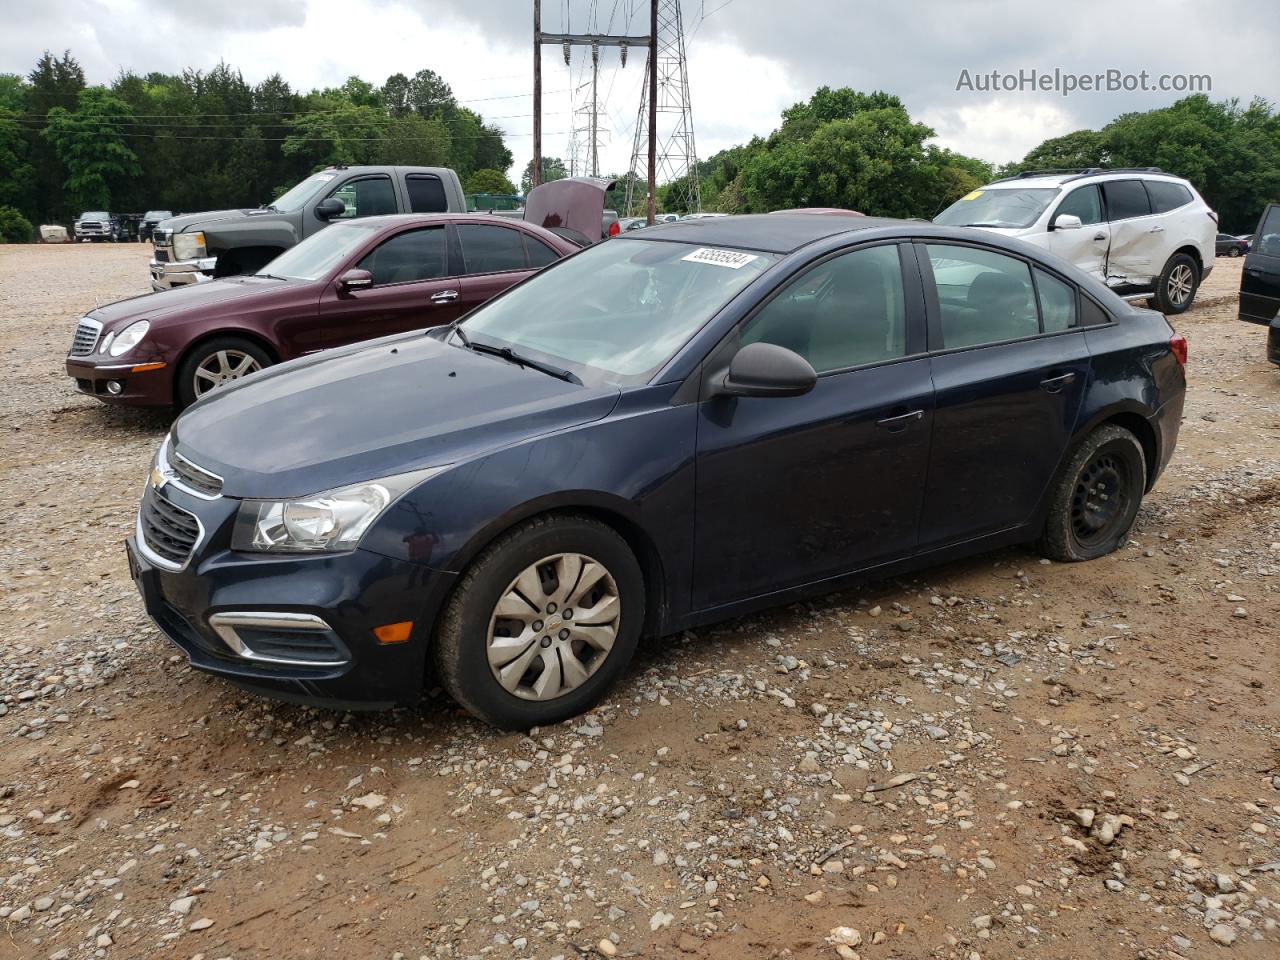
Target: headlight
(189, 246)
(128, 338)
(325, 522)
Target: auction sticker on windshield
(733, 259)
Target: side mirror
(768, 370)
(355, 279)
(1066, 221)
(330, 207)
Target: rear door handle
(1055, 384)
(1099, 236)
(1156, 229)
(900, 421)
(444, 296)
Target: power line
(199, 122)
(338, 136)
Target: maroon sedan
(353, 281)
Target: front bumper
(221, 607)
(165, 275)
(141, 383)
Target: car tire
(475, 643)
(206, 356)
(1233, 251)
(1176, 287)
(1096, 496)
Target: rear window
(539, 253)
(1166, 196)
(1126, 199)
(426, 194)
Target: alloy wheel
(553, 627)
(1100, 501)
(1181, 280)
(221, 367)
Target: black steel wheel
(1096, 496)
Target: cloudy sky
(748, 59)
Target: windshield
(619, 310)
(998, 208)
(157, 215)
(95, 215)
(315, 256)
(296, 198)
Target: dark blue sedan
(680, 425)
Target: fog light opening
(114, 387)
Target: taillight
(1178, 344)
(614, 229)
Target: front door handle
(1156, 229)
(900, 421)
(1099, 235)
(444, 296)
(1055, 384)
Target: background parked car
(1228, 246)
(150, 220)
(1142, 232)
(360, 280)
(97, 226)
(1260, 280)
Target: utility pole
(535, 177)
(567, 40)
(595, 108)
(651, 214)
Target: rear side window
(1057, 302)
(1126, 199)
(1268, 238)
(406, 257)
(426, 194)
(1167, 196)
(1084, 202)
(370, 197)
(539, 253)
(487, 248)
(983, 297)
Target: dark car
(683, 424)
(1228, 246)
(1260, 280)
(150, 220)
(356, 281)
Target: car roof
(1054, 180)
(769, 232)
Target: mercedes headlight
(189, 246)
(128, 338)
(326, 522)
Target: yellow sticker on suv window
(972, 196)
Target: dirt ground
(999, 758)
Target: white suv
(1145, 233)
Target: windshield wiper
(270, 276)
(506, 353)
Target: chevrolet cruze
(679, 425)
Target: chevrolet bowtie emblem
(158, 478)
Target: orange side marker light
(390, 633)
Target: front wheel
(542, 624)
(1096, 496)
(215, 362)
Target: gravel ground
(998, 758)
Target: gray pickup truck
(223, 243)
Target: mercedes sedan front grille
(86, 337)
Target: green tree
(553, 168)
(415, 141)
(17, 176)
(55, 82)
(490, 181)
(429, 95)
(14, 227)
(90, 143)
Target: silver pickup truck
(201, 246)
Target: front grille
(308, 646)
(170, 532)
(162, 256)
(189, 475)
(86, 337)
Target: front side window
(618, 311)
(407, 257)
(1126, 199)
(844, 312)
(1166, 196)
(490, 249)
(999, 207)
(1268, 238)
(1084, 202)
(983, 297)
(369, 197)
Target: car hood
(374, 410)
(193, 298)
(573, 204)
(195, 221)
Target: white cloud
(999, 129)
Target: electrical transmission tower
(584, 138)
(677, 157)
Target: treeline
(1231, 153)
(207, 140)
